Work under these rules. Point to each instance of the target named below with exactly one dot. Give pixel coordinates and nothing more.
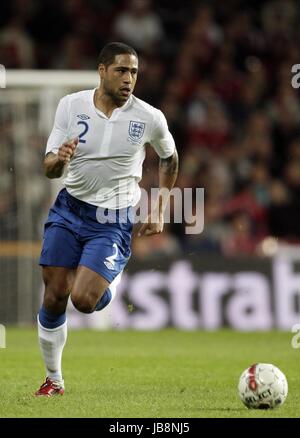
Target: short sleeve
(161, 138)
(59, 133)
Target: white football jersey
(107, 164)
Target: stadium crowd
(220, 72)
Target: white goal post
(51, 78)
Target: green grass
(169, 373)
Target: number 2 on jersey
(85, 130)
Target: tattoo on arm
(169, 166)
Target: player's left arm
(168, 171)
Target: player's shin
(52, 332)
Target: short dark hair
(108, 53)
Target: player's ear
(101, 70)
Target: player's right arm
(54, 164)
(60, 148)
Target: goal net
(27, 108)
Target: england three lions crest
(136, 130)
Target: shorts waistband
(100, 214)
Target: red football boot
(50, 388)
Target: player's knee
(56, 295)
(55, 302)
(84, 304)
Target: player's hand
(154, 225)
(67, 150)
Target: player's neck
(105, 103)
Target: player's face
(119, 78)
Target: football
(263, 386)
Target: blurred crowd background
(220, 72)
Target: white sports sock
(52, 342)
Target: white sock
(52, 342)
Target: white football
(263, 386)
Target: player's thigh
(59, 258)
(60, 248)
(88, 287)
(101, 262)
(107, 256)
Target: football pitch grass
(164, 374)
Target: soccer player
(98, 140)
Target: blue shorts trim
(73, 236)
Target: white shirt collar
(115, 111)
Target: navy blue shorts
(77, 233)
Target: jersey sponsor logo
(136, 130)
(110, 260)
(83, 116)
